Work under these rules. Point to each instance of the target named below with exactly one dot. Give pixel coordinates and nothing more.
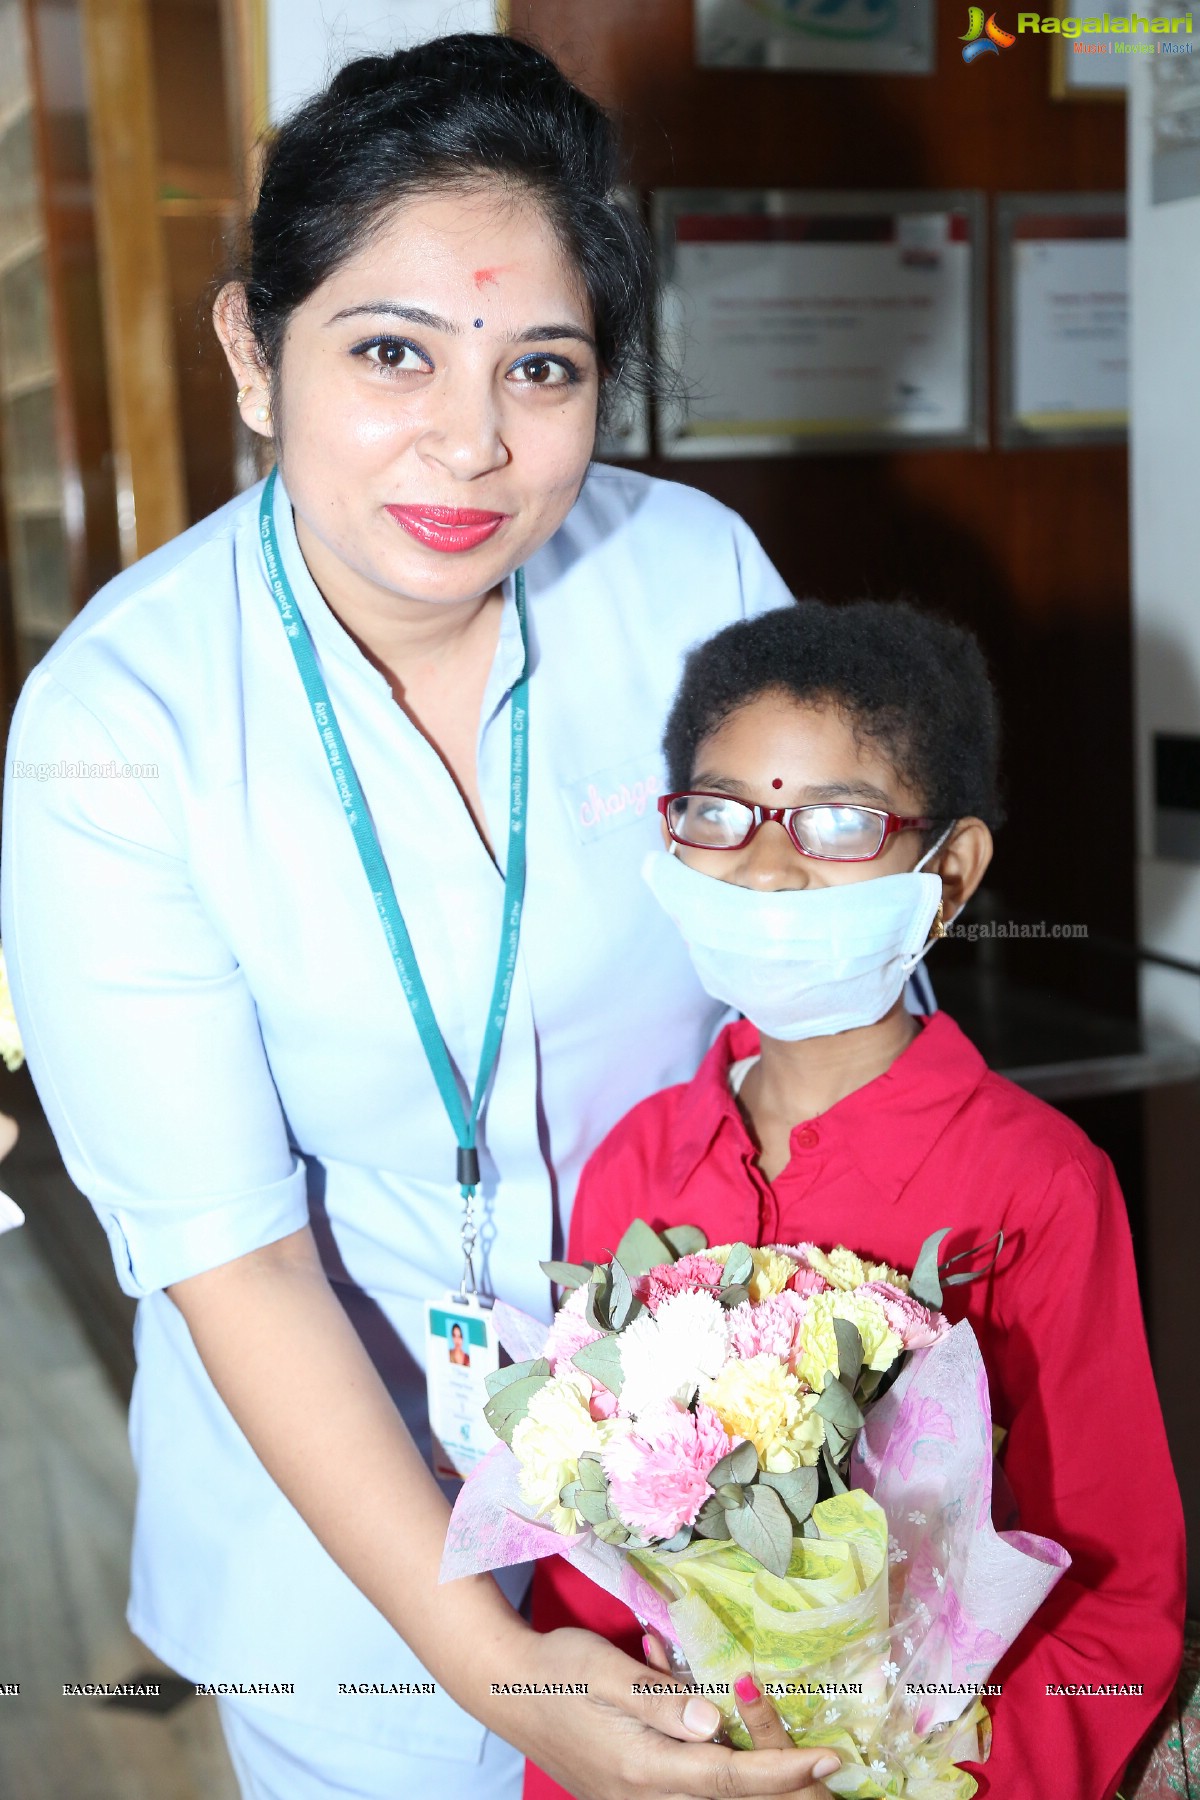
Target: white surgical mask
(801, 962)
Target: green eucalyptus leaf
(925, 1283)
(567, 1274)
(505, 1410)
(739, 1464)
(568, 1495)
(836, 1405)
(733, 1296)
(685, 1240)
(731, 1495)
(641, 1248)
(599, 1293)
(680, 1541)
(623, 1303)
(602, 1361)
(502, 1378)
(797, 1488)
(592, 1506)
(611, 1531)
(739, 1265)
(868, 1381)
(809, 1528)
(591, 1474)
(836, 1444)
(835, 1480)
(710, 1520)
(850, 1351)
(763, 1529)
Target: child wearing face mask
(834, 788)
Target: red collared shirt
(939, 1140)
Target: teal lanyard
(366, 840)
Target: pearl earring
(262, 414)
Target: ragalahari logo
(980, 38)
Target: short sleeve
(140, 1032)
(763, 587)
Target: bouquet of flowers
(781, 1459)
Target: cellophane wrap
(888, 1620)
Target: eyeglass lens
(837, 833)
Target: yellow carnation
(881, 1345)
(885, 1272)
(772, 1272)
(555, 1432)
(761, 1400)
(840, 1267)
(11, 1048)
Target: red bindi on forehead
(486, 277)
(777, 783)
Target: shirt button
(806, 1137)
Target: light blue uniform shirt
(220, 1039)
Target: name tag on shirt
(461, 1351)
(612, 798)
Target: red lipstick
(447, 527)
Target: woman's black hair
(910, 682)
(451, 111)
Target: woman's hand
(615, 1743)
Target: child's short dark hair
(913, 683)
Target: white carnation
(666, 1355)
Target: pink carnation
(569, 1333)
(658, 1473)
(913, 1323)
(691, 1274)
(602, 1403)
(771, 1328)
(806, 1280)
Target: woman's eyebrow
(415, 315)
(541, 332)
(419, 315)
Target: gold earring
(243, 391)
(938, 928)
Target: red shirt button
(806, 1137)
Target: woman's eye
(542, 371)
(393, 355)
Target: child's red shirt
(941, 1140)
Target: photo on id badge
(461, 1351)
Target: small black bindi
(479, 324)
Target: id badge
(461, 1351)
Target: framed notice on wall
(821, 321)
(894, 37)
(1063, 318)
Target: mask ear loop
(910, 962)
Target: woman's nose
(771, 861)
(464, 436)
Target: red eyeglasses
(832, 833)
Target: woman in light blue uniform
(268, 807)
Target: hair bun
(365, 76)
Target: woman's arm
(292, 1371)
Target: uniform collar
(887, 1127)
(331, 637)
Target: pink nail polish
(747, 1689)
(647, 1647)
